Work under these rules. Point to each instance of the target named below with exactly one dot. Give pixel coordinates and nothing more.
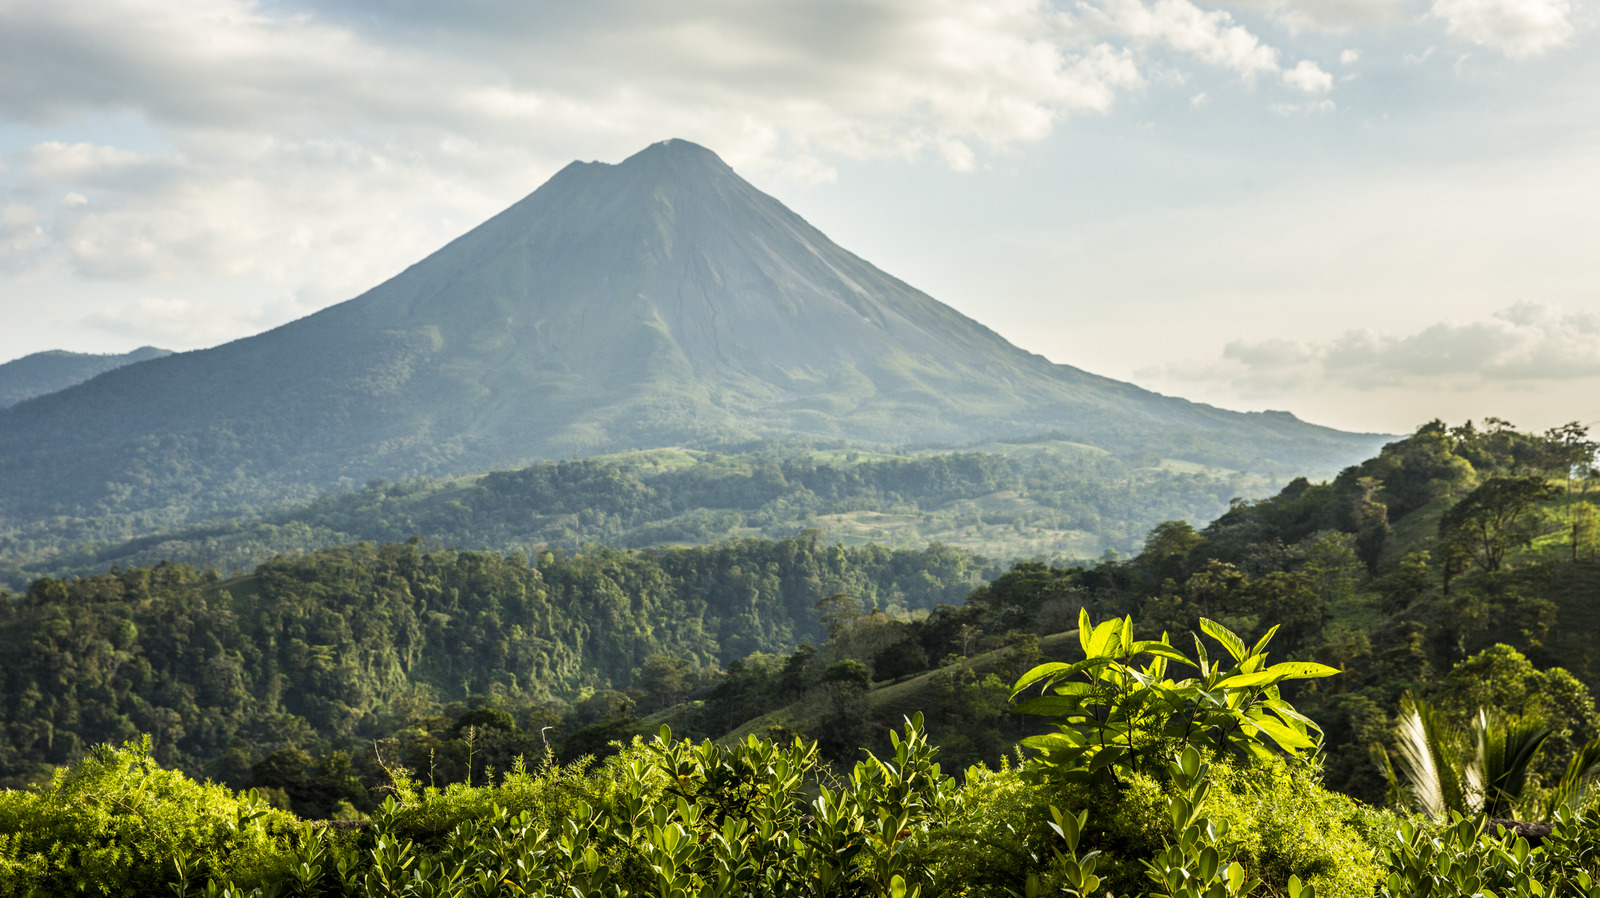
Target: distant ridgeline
(1042, 499)
(349, 642)
(47, 372)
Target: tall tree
(1485, 523)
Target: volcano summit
(659, 301)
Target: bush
(116, 824)
(544, 798)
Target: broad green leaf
(1248, 680)
(1161, 649)
(1157, 669)
(1277, 673)
(1037, 674)
(1057, 671)
(1231, 642)
(1103, 637)
(1055, 742)
(1072, 687)
(1282, 733)
(1306, 669)
(1266, 638)
(1292, 717)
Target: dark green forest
(338, 646)
(1044, 498)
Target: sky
(1371, 213)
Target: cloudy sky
(1368, 212)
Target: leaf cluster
(1117, 709)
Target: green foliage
(1460, 858)
(1502, 737)
(674, 817)
(422, 646)
(1115, 714)
(1482, 770)
(117, 824)
(1503, 679)
(331, 649)
(543, 796)
(1190, 865)
(1491, 520)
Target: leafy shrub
(1274, 819)
(1283, 822)
(544, 798)
(117, 824)
(1114, 714)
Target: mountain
(660, 301)
(47, 372)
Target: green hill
(46, 372)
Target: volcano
(659, 301)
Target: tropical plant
(1113, 712)
(1463, 859)
(1577, 782)
(1482, 770)
(1190, 866)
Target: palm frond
(1578, 782)
(1503, 753)
(1429, 751)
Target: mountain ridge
(41, 373)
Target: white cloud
(1309, 77)
(1523, 345)
(1516, 28)
(1334, 15)
(1319, 107)
(1209, 35)
(1349, 57)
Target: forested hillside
(337, 646)
(1458, 567)
(438, 712)
(1039, 499)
